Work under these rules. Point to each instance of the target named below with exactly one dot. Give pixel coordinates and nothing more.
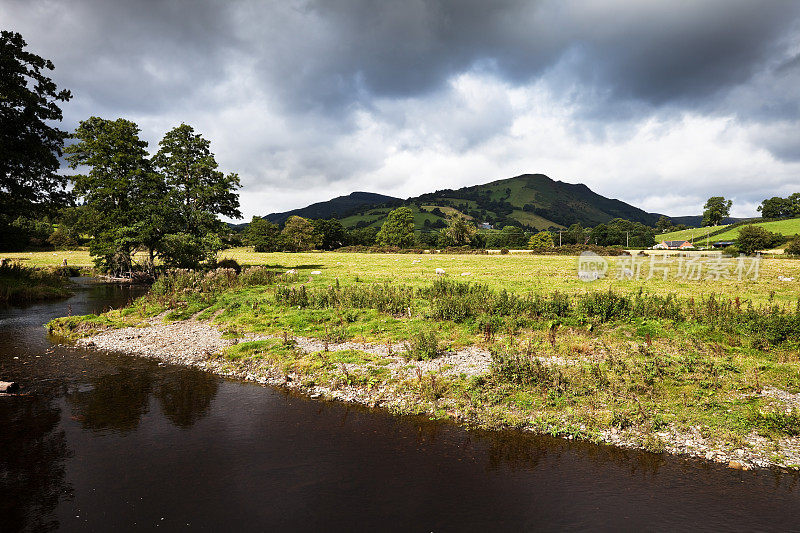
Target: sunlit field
(523, 273)
(518, 272)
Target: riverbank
(415, 387)
(707, 377)
(21, 284)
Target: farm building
(673, 245)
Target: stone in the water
(736, 465)
(9, 387)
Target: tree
(664, 224)
(716, 209)
(541, 241)
(793, 248)
(777, 207)
(29, 145)
(398, 230)
(331, 233)
(575, 234)
(197, 193)
(124, 198)
(754, 238)
(622, 232)
(362, 236)
(262, 235)
(459, 232)
(298, 234)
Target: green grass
(696, 235)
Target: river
(111, 442)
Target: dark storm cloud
(657, 53)
(134, 56)
(297, 93)
(327, 55)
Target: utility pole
(627, 239)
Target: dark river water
(104, 442)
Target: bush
(541, 241)
(731, 250)
(793, 248)
(423, 345)
(504, 251)
(754, 238)
(230, 263)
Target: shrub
(423, 345)
(541, 241)
(754, 238)
(230, 263)
(793, 248)
(731, 250)
(504, 251)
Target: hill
(338, 207)
(529, 200)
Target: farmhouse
(673, 245)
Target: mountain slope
(338, 207)
(536, 201)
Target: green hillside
(533, 201)
(787, 227)
(696, 234)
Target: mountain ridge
(533, 201)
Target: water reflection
(117, 401)
(33, 451)
(185, 397)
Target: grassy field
(519, 273)
(516, 272)
(788, 227)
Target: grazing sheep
(785, 278)
(315, 272)
(440, 272)
(292, 271)
(415, 261)
(466, 273)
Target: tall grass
(463, 301)
(19, 283)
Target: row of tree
(299, 234)
(777, 207)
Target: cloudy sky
(658, 103)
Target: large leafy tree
(29, 144)
(398, 229)
(459, 232)
(196, 193)
(331, 233)
(716, 209)
(198, 190)
(124, 197)
(262, 235)
(777, 207)
(754, 238)
(298, 234)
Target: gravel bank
(198, 344)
